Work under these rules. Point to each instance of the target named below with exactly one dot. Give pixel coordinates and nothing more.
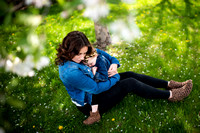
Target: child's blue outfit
(102, 65)
(79, 83)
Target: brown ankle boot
(180, 93)
(173, 84)
(94, 117)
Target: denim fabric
(102, 65)
(130, 82)
(79, 83)
(112, 59)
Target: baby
(99, 66)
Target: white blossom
(38, 3)
(126, 31)
(64, 14)
(34, 20)
(28, 2)
(95, 9)
(30, 20)
(9, 65)
(129, 1)
(34, 40)
(29, 61)
(44, 61)
(25, 68)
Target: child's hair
(93, 53)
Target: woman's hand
(112, 70)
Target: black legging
(141, 85)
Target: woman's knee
(126, 75)
(128, 84)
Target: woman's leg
(154, 82)
(108, 99)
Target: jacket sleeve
(101, 73)
(112, 59)
(79, 80)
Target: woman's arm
(112, 59)
(114, 62)
(112, 70)
(79, 80)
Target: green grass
(169, 49)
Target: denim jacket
(78, 80)
(102, 65)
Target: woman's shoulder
(69, 64)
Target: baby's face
(91, 61)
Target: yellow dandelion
(164, 34)
(113, 119)
(156, 21)
(13, 34)
(148, 12)
(52, 19)
(50, 43)
(60, 127)
(142, 15)
(143, 11)
(136, 22)
(49, 24)
(33, 126)
(173, 10)
(72, 16)
(187, 40)
(170, 48)
(161, 30)
(195, 15)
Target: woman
(83, 89)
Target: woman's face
(78, 58)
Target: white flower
(127, 31)
(64, 14)
(9, 65)
(29, 61)
(41, 3)
(38, 3)
(44, 61)
(115, 39)
(21, 69)
(32, 20)
(25, 68)
(129, 1)
(28, 2)
(95, 9)
(31, 73)
(18, 48)
(33, 39)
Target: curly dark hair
(71, 46)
